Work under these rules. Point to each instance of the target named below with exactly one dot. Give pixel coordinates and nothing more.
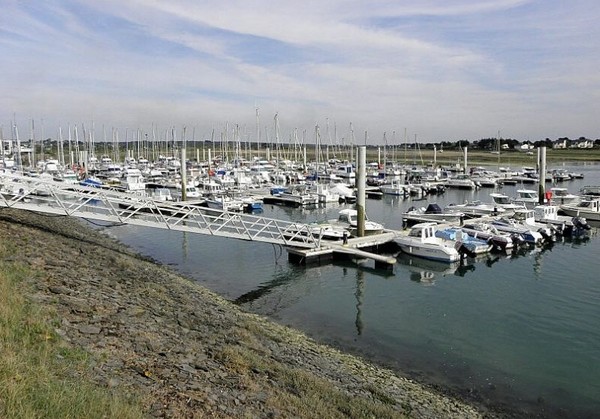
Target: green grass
(300, 393)
(40, 375)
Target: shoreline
(155, 333)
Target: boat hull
(428, 251)
(578, 212)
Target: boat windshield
(501, 199)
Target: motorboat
(475, 245)
(511, 226)
(527, 197)
(565, 225)
(504, 201)
(590, 190)
(562, 196)
(461, 181)
(526, 218)
(433, 213)
(499, 240)
(224, 202)
(348, 218)
(589, 208)
(475, 209)
(395, 187)
(319, 230)
(422, 241)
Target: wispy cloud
(458, 69)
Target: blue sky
(442, 70)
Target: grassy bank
(84, 323)
(40, 376)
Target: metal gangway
(110, 205)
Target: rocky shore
(185, 351)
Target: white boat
(346, 171)
(527, 197)
(461, 181)
(475, 209)
(319, 230)
(475, 245)
(588, 208)
(485, 178)
(433, 213)
(562, 196)
(590, 190)
(508, 225)
(560, 175)
(345, 192)
(564, 224)
(505, 202)
(486, 231)
(132, 180)
(348, 218)
(421, 241)
(294, 197)
(326, 194)
(224, 203)
(395, 187)
(526, 218)
(191, 193)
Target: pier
(109, 205)
(352, 248)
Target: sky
(350, 71)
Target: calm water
(521, 331)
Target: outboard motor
(580, 226)
(547, 234)
(465, 252)
(517, 239)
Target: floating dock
(359, 247)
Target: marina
(517, 328)
(327, 265)
(247, 209)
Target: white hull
(587, 208)
(573, 211)
(421, 241)
(428, 250)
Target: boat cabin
(546, 212)
(591, 205)
(524, 215)
(423, 231)
(500, 199)
(348, 216)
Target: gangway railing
(110, 205)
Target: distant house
(527, 147)
(560, 144)
(583, 144)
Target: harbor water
(520, 330)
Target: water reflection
(360, 286)
(281, 278)
(426, 271)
